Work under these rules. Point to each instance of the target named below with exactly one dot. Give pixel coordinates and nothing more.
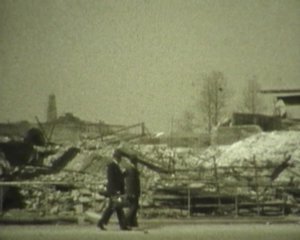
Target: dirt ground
(154, 231)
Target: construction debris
(259, 174)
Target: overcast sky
(129, 61)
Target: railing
(216, 180)
(124, 133)
(215, 186)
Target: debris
(253, 171)
(54, 210)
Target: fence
(267, 123)
(219, 194)
(124, 133)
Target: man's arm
(110, 173)
(125, 173)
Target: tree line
(210, 105)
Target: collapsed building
(244, 171)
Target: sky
(128, 61)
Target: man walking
(132, 189)
(115, 188)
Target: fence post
(47, 202)
(189, 200)
(236, 203)
(217, 183)
(256, 186)
(284, 203)
(1, 200)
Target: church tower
(51, 110)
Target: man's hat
(117, 153)
(133, 159)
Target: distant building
(283, 102)
(70, 128)
(66, 128)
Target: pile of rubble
(263, 151)
(265, 146)
(78, 187)
(259, 165)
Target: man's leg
(131, 214)
(106, 215)
(130, 211)
(135, 208)
(121, 218)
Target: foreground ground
(156, 230)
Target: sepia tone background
(124, 62)
(204, 94)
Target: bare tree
(212, 99)
(186, 123)
(252, 102)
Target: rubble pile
(78, 187)
(75, 188)
(257, 163)
(62, 200)
(248, 168)
(264, 146)
(261, 150)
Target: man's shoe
(134, 225)
(101, 226)
(126, 229)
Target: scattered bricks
(92, 216)
(83, 199)
(81, 220)
(65, 213)
(66, 197)
(53, 178)
(34, 193)
(99, 207)
(80, 178)
(58, 194)
(146, 202)
(85, 192)
(78, 208)
(24, 192)
(67, 206)
(39, 194)
(54, 210)
(102, 188)
(50, 197)
(75, 193)
(41, 213)
(98, 197)
(28, 203)
(34, 207)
